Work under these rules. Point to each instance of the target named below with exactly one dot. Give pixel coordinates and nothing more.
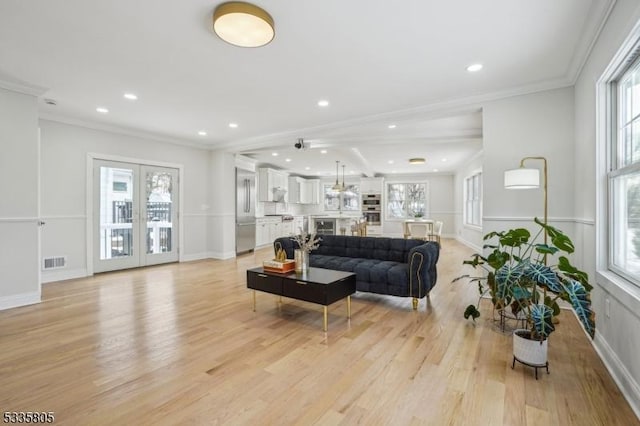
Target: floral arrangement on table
(306, 242)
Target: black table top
(313, 275)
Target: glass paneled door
(135, 215)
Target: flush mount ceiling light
(417, 161)
(474, 67)
(243, 24)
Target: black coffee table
(317, 285)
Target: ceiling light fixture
(474, 67)
(390, 161)
(275, 154)
(288, 160)
(102, 110)
(202, 133)
(444, 160)
(417, 161)
(392, 126)
(243, 24)
(324, 151)
(233, 125)
(323, 103)
(131, 96)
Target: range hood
(278, 194)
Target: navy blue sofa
(393, 266)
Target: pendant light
(343, 185)
(337, 186)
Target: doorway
(135, 215)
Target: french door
(135, 209)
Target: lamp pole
(544, 160)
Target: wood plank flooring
(179, 344)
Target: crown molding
(119, 130)
(22, 87)
(438, 109)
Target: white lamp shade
(522, 178)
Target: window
(473, 200)
(347, 200)
(624, 175)
(406, 200)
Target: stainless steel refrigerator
(245, 211)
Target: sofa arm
(285, 243)
(422, 268)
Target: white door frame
(91, 156)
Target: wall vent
(54, 262)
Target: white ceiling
(377, 62)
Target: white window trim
(464, 200)
(606, 127)
(387, 182)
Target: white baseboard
(208, 255)
(627, 385)
(17, 300)
(470, 245)
(194, 256)
(63, 274)
(222, 255)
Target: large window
(406, 200)
(346, 201)
(624, 175)
(473, 200)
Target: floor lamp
(526, 178)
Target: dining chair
(420, 231)
(436, 232)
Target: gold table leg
(324, 323)
(348, 306)
(254, 300)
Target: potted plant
(524, 279)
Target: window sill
(622, 290)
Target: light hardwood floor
(179, 344)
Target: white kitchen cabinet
(297, 190)
(371, 185)
(273, 185)
(287, 228)
(313, 191)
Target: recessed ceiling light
(474, 67)
(323, 103)
(324, 151)
(130, 96)
(275, 154)
(417, 161)
(390, 161)
(233, 125)
(51, 102)
(102, 110)
(288, 160)
(444, 160)
(351, 172)
(435, 170)
(309, 168)
(202, 133)
(393, 171)
(392, 126)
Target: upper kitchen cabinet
(371, 185)
(304, 191)
(273, 185)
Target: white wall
(618, 336)
(538, 124)
(222, 196)
(64, 152)
(469, 235)
(19, 263)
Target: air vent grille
(56, 262)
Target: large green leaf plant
(519, 275)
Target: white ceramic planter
(530, 352)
